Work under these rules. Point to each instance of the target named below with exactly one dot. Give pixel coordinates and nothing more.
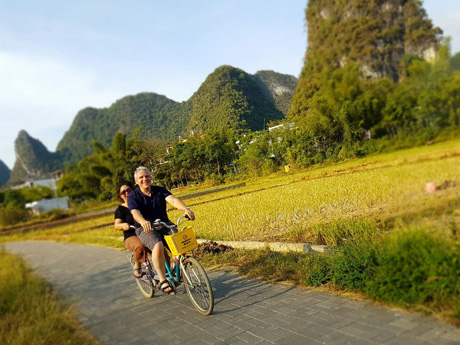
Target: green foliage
(12, 214)
(12, 203)
(346, 91)
(455, 62)
(198, 159)
(354, 264)
(97, 176)
(13, 197)
(430, 98)
(417, 266)
(36, 193)
(84, 180)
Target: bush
(353, 265)
(417, 267)
(105, 196)
(55, 214)
(319, 270)
(11, 215)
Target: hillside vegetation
(152, 112)
(229, 98)
(374, 70)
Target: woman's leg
(134, 244)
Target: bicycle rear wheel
(145, 283)
(198, 286)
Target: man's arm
(179, 204)
(137, 215)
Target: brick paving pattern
(99, 281)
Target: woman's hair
(124, 183)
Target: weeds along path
(110, 306)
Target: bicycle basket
(182, 242)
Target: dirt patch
(211, 247)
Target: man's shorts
(153, 237)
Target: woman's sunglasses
(126, 191)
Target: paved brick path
(246, 311)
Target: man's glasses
(126, 191)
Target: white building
(48, 182)
(46, 205)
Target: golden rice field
(287, 207)
(293, 206)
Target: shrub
(353, 265)
(105, 196)
(11, 215)
(417, 267)
(55, 214)
(318, 269)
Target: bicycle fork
(188, 279)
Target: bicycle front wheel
(198, 286)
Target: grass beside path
(31, 312)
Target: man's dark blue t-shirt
(151, 207)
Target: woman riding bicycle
(123, 221)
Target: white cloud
(43, 82)
(39, 94)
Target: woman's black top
(123, 213)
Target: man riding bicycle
(148, 203)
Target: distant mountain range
(229, 97)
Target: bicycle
(187, 270)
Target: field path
(110, 306)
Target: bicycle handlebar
(158, 222)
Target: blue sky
(58, 57)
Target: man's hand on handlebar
(189, 213)
(147, 226)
